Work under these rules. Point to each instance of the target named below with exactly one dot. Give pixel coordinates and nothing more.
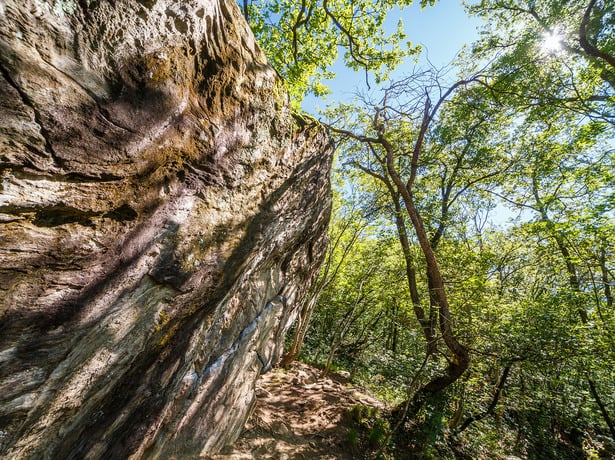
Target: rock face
(161, 215)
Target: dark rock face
(161, 215)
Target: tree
(354, 307)
(302, 39)
(471, 152)
(403, 142)
(357, 319)
(567, 184)
(550, 55)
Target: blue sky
(442, 30)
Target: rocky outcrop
(161, 215)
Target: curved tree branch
(587, 46)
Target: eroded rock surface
(161, 214)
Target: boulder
(162, 214)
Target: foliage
(354, 312)
(549, 56)
(531, 301)
(302, 39)
(370, 432)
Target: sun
(552, 42)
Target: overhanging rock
(161, 215)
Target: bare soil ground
(299, 416)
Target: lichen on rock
(161, 215)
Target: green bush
(370, 431)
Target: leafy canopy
(550, 55)
(303, 39)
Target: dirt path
(298, 416)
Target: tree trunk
(608, 293)
(603, 410)
(428, 325)
(496, 397)
(344, 326)
(328, 275)
(301, 329)
(460, 356)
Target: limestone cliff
(161, 216)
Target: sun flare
(551, 42)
